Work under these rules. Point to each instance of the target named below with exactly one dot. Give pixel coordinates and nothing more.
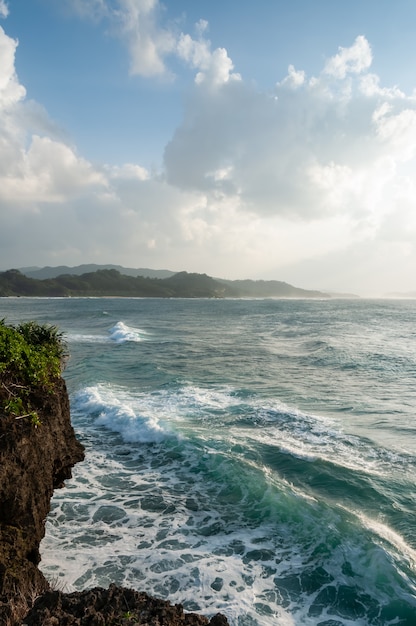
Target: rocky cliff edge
(35, 459)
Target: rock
(116, 606)
(33, 462)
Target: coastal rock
(116, 606)
(34, 460)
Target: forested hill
(110, 282)
(87, 268)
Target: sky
(265, 140)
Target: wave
(203, 521)
(306, 436)
(121, 333)
(123, 416)
(219, 417)
(313, 437)
(309, 454)
(402, 549)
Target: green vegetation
(31, 358)
(110, 282)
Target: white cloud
(218, 70)
(397, 130)
(337, 148)
(196, 53)
(352, 60)
(214, 68)
(128, 171)
(4, 9)
(10, 89)
(48, 171)
(33, 168)
(294, 78)
(313, 148)
(139, 23)
(201, 27)
(149, 43)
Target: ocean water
(254, 457)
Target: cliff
(34, 460)
(38, 449)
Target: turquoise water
(255, 457)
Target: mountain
(53, 272)
(110, 282)
(269, 289)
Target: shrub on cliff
(31, 358)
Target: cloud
(151, 42)
(11, 91)
(48, 171)
(353, 60)
(91, 9)
(33, 168)
(128, 171)
(372, 268)
(309, 149)
(57, 205)
(148, 42)
(4, 9)
(214, 68)
(137, 23)
(294, 78)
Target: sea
(250, 457)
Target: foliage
(110, 282)
(31, 358)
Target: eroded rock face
(33, 462)
(116, 606)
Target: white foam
(159, 551)
(116, 411)
(103, 530)
(86, 338)
(121, 333)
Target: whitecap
(121, 333)
(113, 409)
(387, 534)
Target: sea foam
(121, 333)
(120, 413)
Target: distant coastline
(116, 281)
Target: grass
(32, 356)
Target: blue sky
(241, 139)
